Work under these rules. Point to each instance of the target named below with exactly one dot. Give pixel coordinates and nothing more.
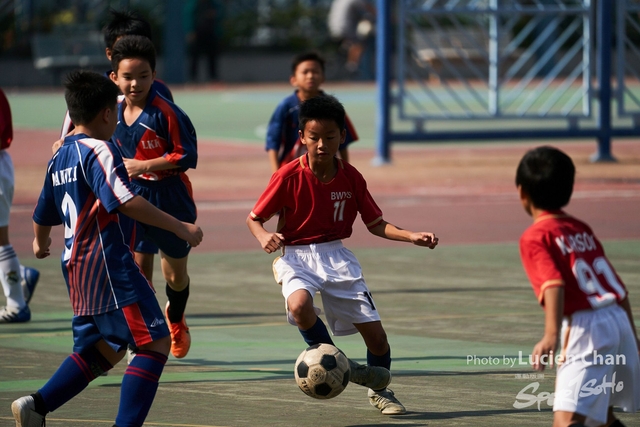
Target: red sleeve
(271, 201)
(180, 133)
(6, 125)
(352, 135)
(539, 265)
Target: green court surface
(234, 114)
(241, 113)
(461, 321)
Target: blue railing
(465, 69)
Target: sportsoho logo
(570, 392)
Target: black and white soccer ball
(322, 371)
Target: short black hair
(87, 93)
(546, 174)
(323, 107)
(307, 56)
(130, 47)
(125, 23)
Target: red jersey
(312, 211)
(559, 250)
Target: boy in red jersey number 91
(586, 304)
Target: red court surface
(464, 193)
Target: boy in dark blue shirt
(158, 143)
(87, 189)
(283, 143)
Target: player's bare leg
(375, 337)
(145, 261)
(174, 271)
(300, 306)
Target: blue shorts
(139, 323)
(173, 196)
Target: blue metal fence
(540, 68)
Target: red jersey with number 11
(559, 250)
(312, 211)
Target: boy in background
(122, 23)
(87, 189)
(318, 197)
(283, 143)
(158, 143)
(18, 282)
(579, 289)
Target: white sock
(11, 278)
(23, 271)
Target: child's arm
(275, 135)
(553, 309)
(273, 160)
(141, 210)
(42, 241)
(391, 232)
(270, 242)
(626, 306)
(137, 167)
(67, 129)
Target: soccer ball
(322, 371)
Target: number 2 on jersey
(70, 213)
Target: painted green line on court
(199, 376)
(110, 422)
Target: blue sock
(384, 360)
(317, 334)
(73, 376)
(139, 386)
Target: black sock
(317, 334)
(177, 303)
(384, 360)
(617, 423)
(41, 408)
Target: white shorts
(332, 270)
(6, 187)
(601, 367)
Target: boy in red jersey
(318, 197)
(158, 143)
(579, 289)
(17, 281)
(87, 190)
